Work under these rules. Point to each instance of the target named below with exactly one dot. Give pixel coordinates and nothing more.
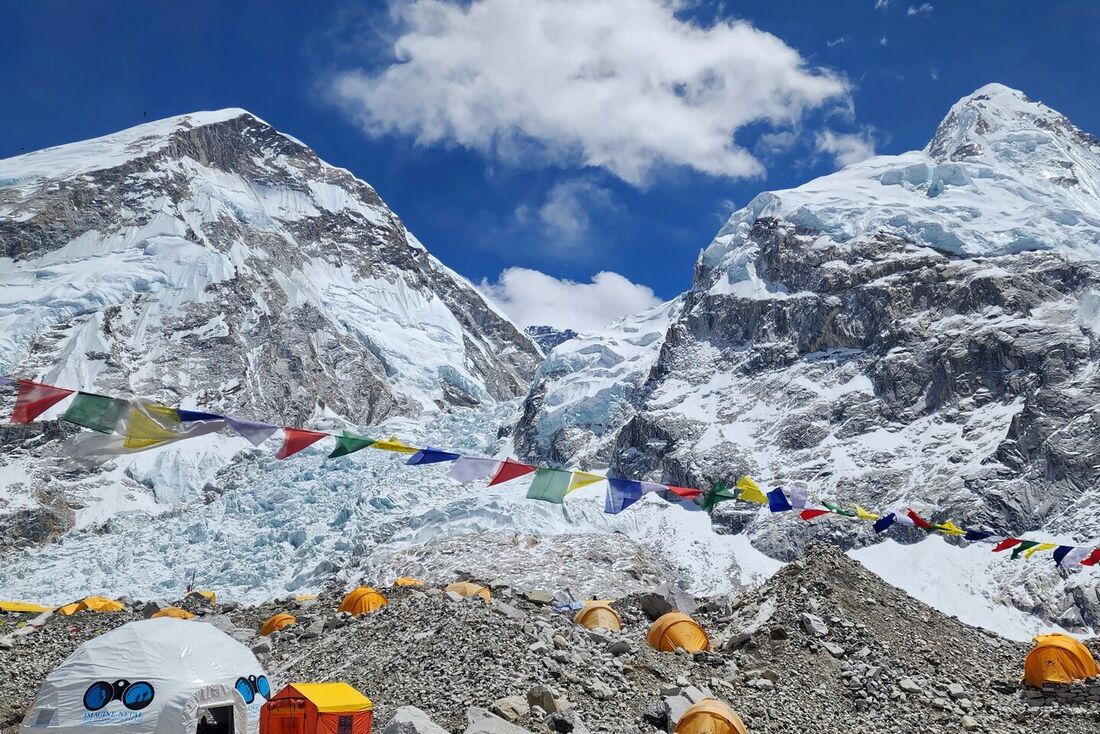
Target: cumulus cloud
(846, 148)
(532, 298)
(623, 85)
(564, 219)
(922, 9)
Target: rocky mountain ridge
(914, 330)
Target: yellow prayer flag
(582, 479)
(1039, 548)
(950, 528)
(394, 444)
(150, 424)
(750, 491)
(862, 514)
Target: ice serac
(210, 261)
(917, 329)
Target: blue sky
(490, 152)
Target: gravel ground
(824, 646)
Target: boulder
(814, 625)
(543, 697)
(480, 721)
(411, 720)
(511, 708)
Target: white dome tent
(158, 676)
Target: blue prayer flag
(777, 501)
(884, 522)
(621, 494)
(430, 455)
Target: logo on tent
(250, 686)
(134, 696)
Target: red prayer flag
(509, 470)
(688, 492)
(811, 514)
(919, 521)
(35, 399)
(1093, 558)
(1006, 544)
(296, 439)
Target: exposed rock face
(913, 330)
(210, 261)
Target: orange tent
(317, 708)
(1058, 658)
(277, 622)
(210, 596)
(174, 613)
(468, 589)
(677, 630)
(710, 716)
(599, 614)
(362, 601)
(408, 581)
(99, 604)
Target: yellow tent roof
(467, 589)
(674, 630)
(599, 614)
(710, 716)
(362, 600)
(93, 604)
(210, 596)
(174, 613)
(304, 597)
(330, 698)
(277, 622)
(407, 581)
(23, 606)
(1058, 658)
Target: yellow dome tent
(92, 604)
(1058, 658)
(710, 716)
(174, 613)
(23, 607)
(467, 589)
(305, 597)
(362, 601)
(599, 614)
(675, 630)
(210, 596)
(407, 581)
(277, 622)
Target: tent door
(216, 720)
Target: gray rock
(480, 721)
(511, 708)
(909, 685)
(835, 650)
(814, 625)
(538, 596)
(968, 723)
(674, 708)
(411, 720)
(543, 697)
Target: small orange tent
(174, 613)
(277, 622)
(710, 716)
(677, 630)
(317, 708)
(408, 581)
(1058, 658)
(362, 601)
(599, 614)
(467, 589)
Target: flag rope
(550, 484)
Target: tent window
(44, 717)
(345, 725)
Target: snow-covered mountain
(917, 329)
(210, 261)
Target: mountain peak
(991, 123)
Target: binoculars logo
(134, 696)
(250, 686)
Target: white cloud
(531, 297)
(923, 9)
(882, 4)
(623, 85)
(564, 219)
(882, 41)
(846, 148)
(838, 41)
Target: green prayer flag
(549, 485)
(97, 412)
(719, 492)
(839, 510)
(349, 443)
(1023, 546)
